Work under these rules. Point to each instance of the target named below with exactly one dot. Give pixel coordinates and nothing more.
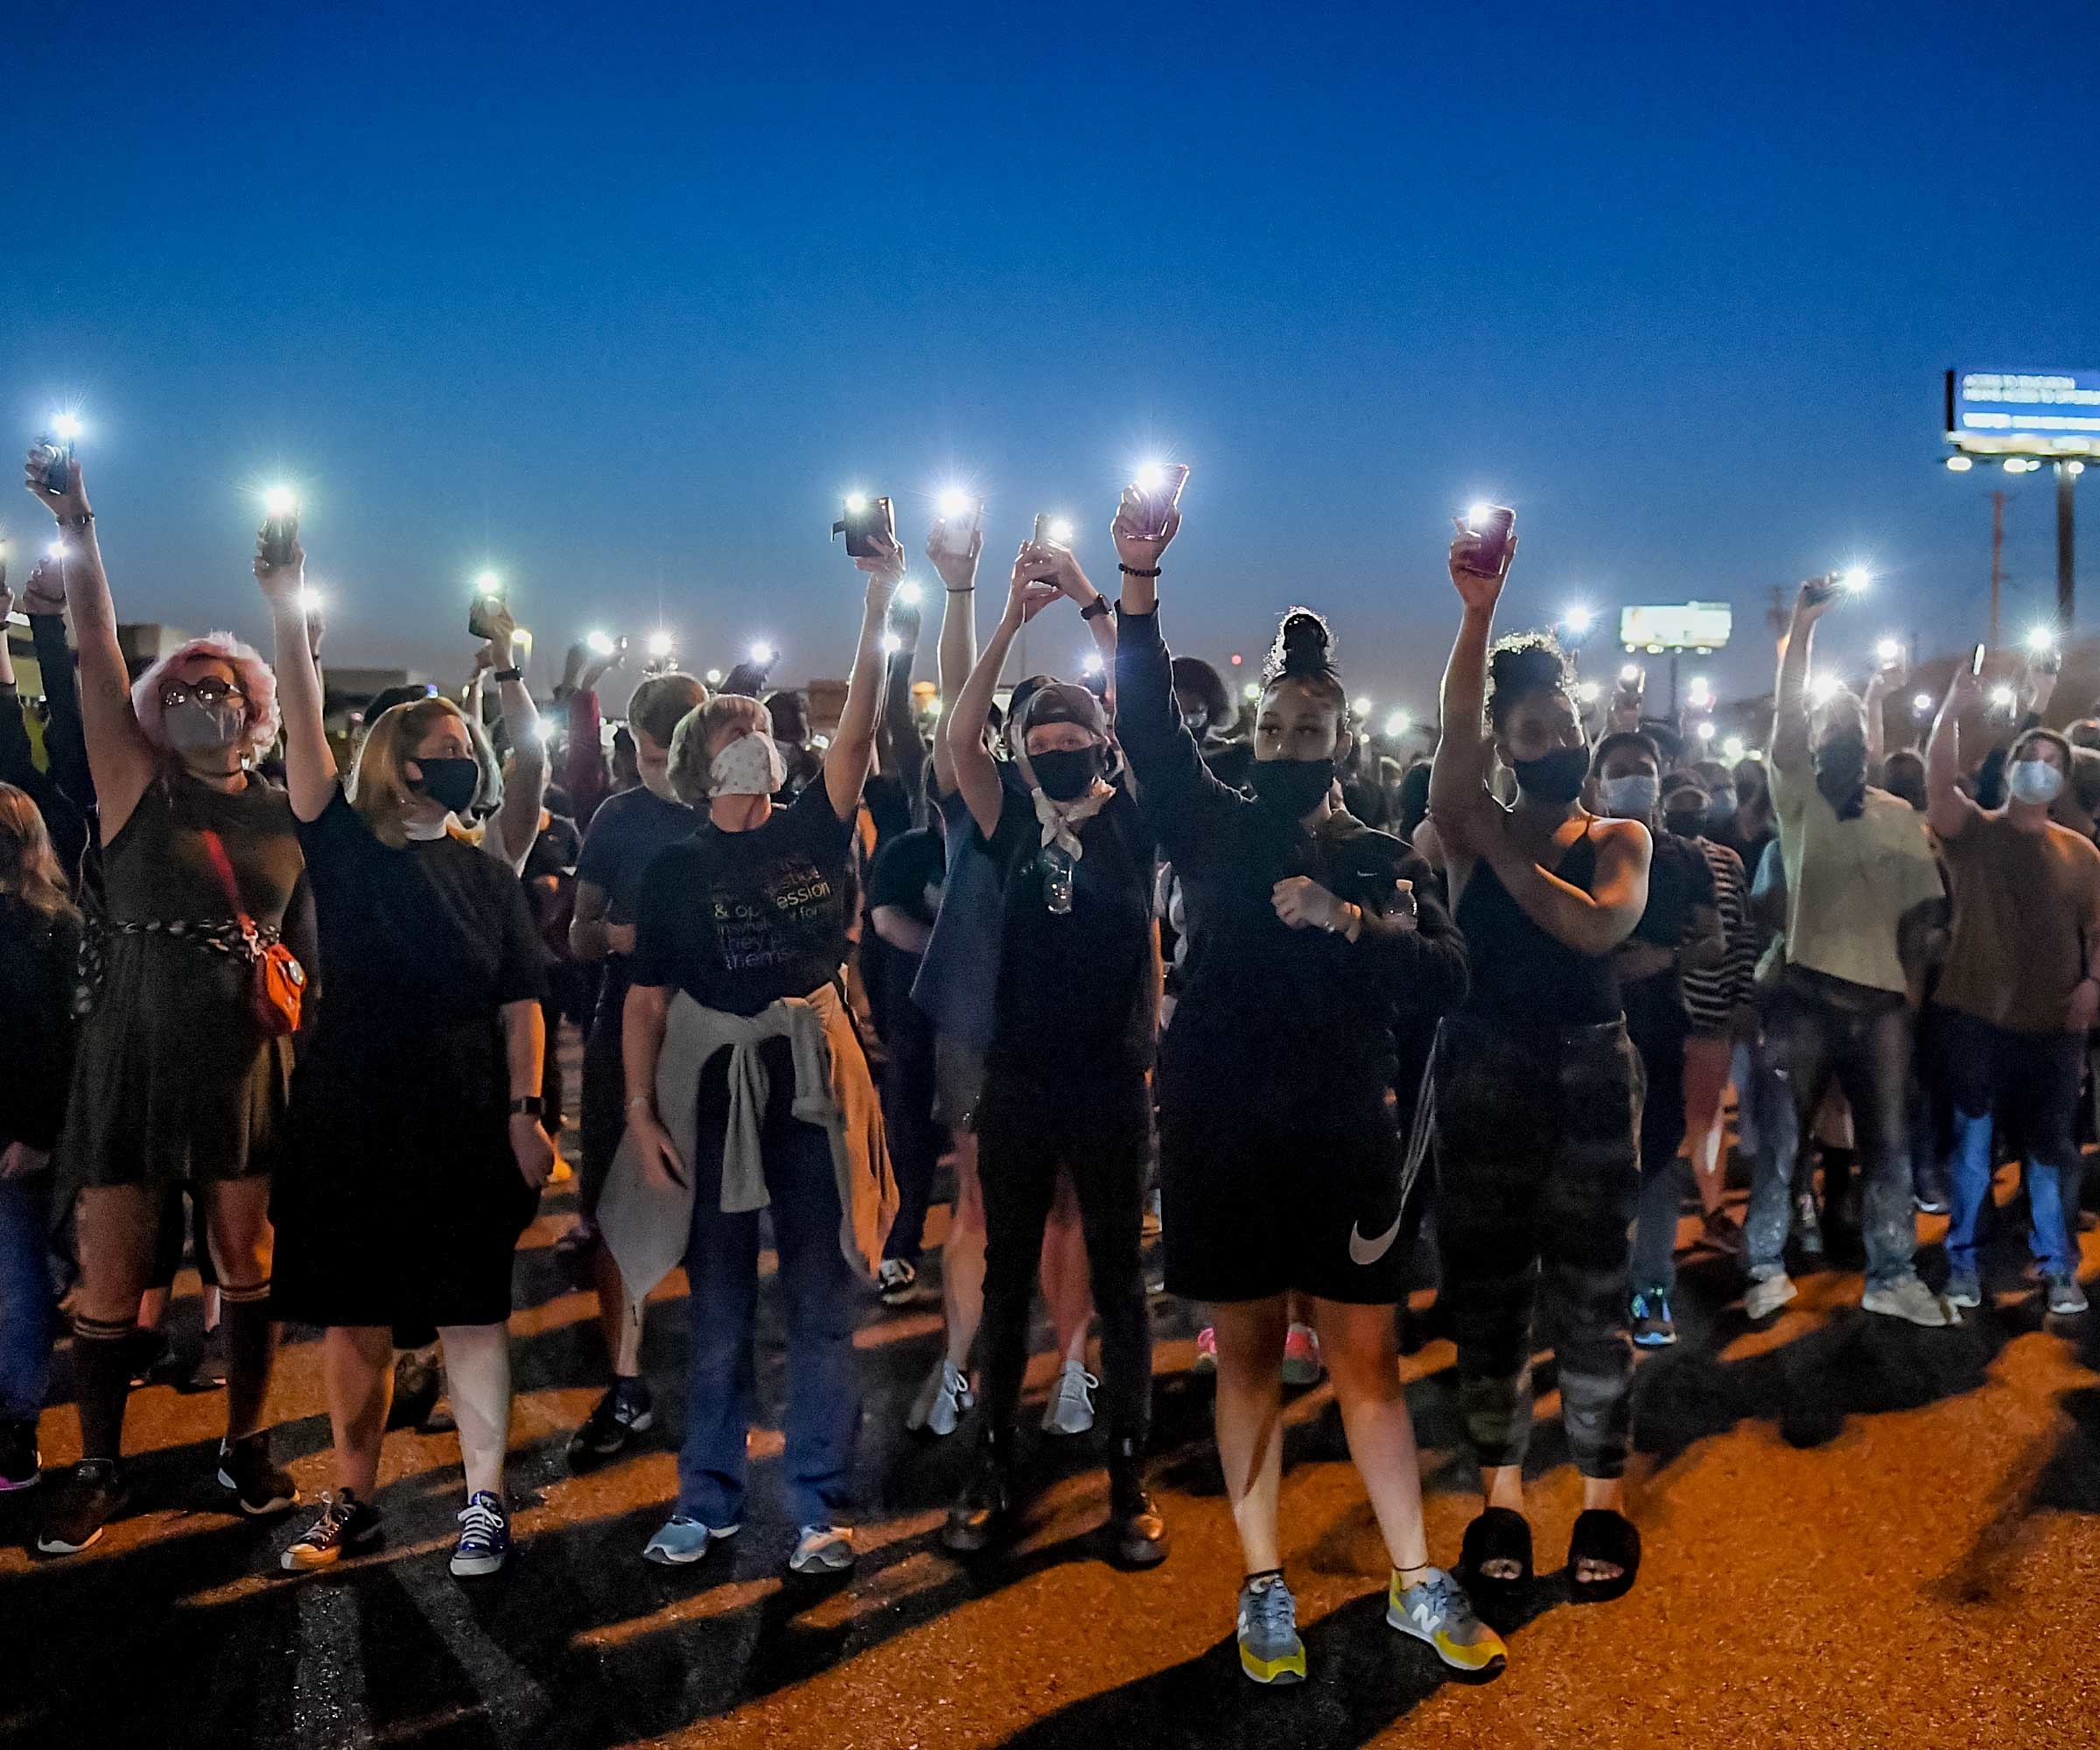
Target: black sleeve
(16, 763)
(900, 875)
(662, 918)
(65, 740)
(37, 1030)
(1183, 803)
(521, 967)
(818, 828)
(1427, 967)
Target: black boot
(1135, 1525)
(983, 1513)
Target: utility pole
(1998, 558)
(2066, 472)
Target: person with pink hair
(182, 1075)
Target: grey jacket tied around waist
(646, 1225)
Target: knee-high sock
(101, 1371)
(477, 1368)
(251, 1345)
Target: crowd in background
(1117, 955)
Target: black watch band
(1138, 571)
(529, 1106)
(1096, 609)
(510, 674)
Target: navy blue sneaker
(1652, 1326)
(483, 1544)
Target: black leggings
(1538, 1180)
(1098, 1132)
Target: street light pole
(2067, 475)
(1997, 558)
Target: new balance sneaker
(1207, 1350)
(21, 1465)
(1965, 1288)
(345, 1523)
(1908, 1298)
(1768, 1294)
(2067, 1300)
(91, 1495)
(680, 1541)
(1437, 1611)
(1302, 1364)
(257, 1485)
(897, 1282)
(483, 1544)
(941, 1402)
(824, 1549)
(1270, 1649)
(623, 1412)
(1652, 1326)
(1070, 1410)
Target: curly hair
(256, 682)
(1520, 667)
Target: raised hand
(68, 506)
(1479, 589)
(280, 582)
(1139, 551)
(502, 628)
(44, 593)
(957, 570)
(1030, 593)
(1059, 567)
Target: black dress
(401, 1202)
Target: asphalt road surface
(1857, 1534)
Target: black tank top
(1523, 977)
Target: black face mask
(450, 783)
(1292, 787)
(1556, 777)
(1685, 823)
(1841, 773)
(1066, 774)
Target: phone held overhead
(280, 524)
(487, 603)
(961, 518)
(1052, 531)
(870, 525)
(1157, 489)
(1490, 526)
(58, 451)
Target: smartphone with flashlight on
(1052, 531)
(961, 517)
(58, 463)
(487, 603)
(1817, 591)
(1159, 488)
(868, 524)
(1490, 526)
(280, 528)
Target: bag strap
(223, 866)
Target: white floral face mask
(750, 765)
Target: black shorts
(1254, 1206)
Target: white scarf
(1061, 821)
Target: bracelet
(527, 1106)
(634, 1100)
(510, 674)
(1137, 570)
(77, 522)
(967, 590)
(1096, 609)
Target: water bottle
(1057, 880)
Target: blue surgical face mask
(2033, 781)
(1632, 797)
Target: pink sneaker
(1302, 1364)
(1207, 1350)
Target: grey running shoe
(824, 1549)
(1965, 1288)
(1438, 1612)
(2065, 1298)
(1909, 1299)
(941, 1400)
(1071, 1407)
(1270, 1649)
(1768, 1294)
(680, 1541)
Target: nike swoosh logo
(1370, 1251)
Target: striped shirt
(1710, 993)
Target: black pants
(1098, 1131)
(603, 1118)
(1538, 1180)
(907, 1107)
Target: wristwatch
(510, 674)
(1095, 609)
(527, 1106)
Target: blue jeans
(823, 1295)
(1985, 1068)
(28, 1322)
(1771, 1130)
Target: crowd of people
(1118, 954)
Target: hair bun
(1303, 648)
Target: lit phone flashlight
(58, 452)
(1489, 525)
(1053, 531)
(280, 525)
(1159, 487)
(962, 516)
(488, 601)
(868, 525)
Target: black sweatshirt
(1291, 1024)
(38, 956)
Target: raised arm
(1458, 776)
(1789, 697)
(65, 745)
(903, 751)
(584, 772)
(1946, 809)
(517, 822)
(309, 762)
(853, 749)
(120, 758)
(958, 652)
(1595, 922)
(977, 772)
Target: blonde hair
(379, 788)
(697, 728)
(29, 868)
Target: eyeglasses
(211, 690)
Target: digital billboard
(1689, 626)
(2023, 413)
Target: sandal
(1499, 1534)
(1603, 1535)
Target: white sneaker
(824, 1549)
(1768, 1294)
(941, 1402)
(1071, 1407)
